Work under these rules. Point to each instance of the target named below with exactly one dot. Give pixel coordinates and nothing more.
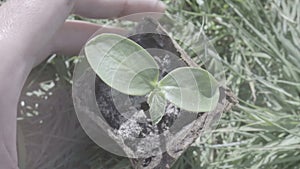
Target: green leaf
(157, 103)
(122, 64)
(192, 89)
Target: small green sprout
(129, 68)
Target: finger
(116, 8)
(73, 35)
(31, 24)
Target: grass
(258, 41)
(261, 61)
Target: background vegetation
(259, 45)
(258, 41)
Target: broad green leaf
(192, 89)
(122, 64)
(157, 103)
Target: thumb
(30, 24)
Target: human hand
(30, 31)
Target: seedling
(129, 68)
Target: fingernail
(161, 6)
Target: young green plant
(129, 68)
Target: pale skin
(31, 30)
